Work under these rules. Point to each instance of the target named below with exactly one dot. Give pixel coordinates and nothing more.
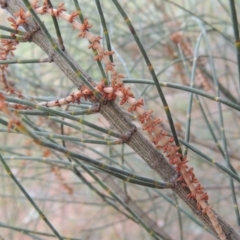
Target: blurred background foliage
(174, 35)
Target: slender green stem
(213, 28)
(221, 120)
(77, 6)
(133, 178)
(104, 197)
(12, 30)
(212, 161)
(179, 217)
(104, 25)
(115, 196)
(122, 174)
(71, 112)
(236, 33)
(223, 89)
(75, 139)
(187, 89)
(90, 133)
(42, 216)
(27, 231)
(192, 78)
(57, 29)
(81, 17)
(89, 184)
(176, 205)
(211, 130)
(16, 61)
(63, 114)
(16, 38)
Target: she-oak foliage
(160, 150)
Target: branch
(115, 116)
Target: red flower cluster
(6, 50)
(21, 19)
(84, 28)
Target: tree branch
(116, 118)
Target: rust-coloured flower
(21, 17)
(145, 116)
(138, 103)
(84, 27)
(100, 56)
(13, 22)
(150, 126)
(109, 66)
(34, 4)
(126, 94)
(94, 42)
(72, 16)
(56, 12)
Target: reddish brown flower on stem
(145, 116)
(204, 196)
(6, 42)
(116, 80)
(72, 16)
(150, 126)
(199, 189)
(42, 10)
(110, 96)
(171, 150)
(199, 206)
(195, 180)
(206, 209)
(56, 12)
(116, 76)
(8, 46)
(100, 56)
(180, 179)
(4, 67)
(21, 17)
(84, 27)
(126, 94)
(101, 86)
(86, 93)
(190, 173)
(138, 103)
(94, 41)
(182, 164)
(34, 4)
(109, 66)
(191, 196)
(2, 101)
(13, 22)
(175, 160)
